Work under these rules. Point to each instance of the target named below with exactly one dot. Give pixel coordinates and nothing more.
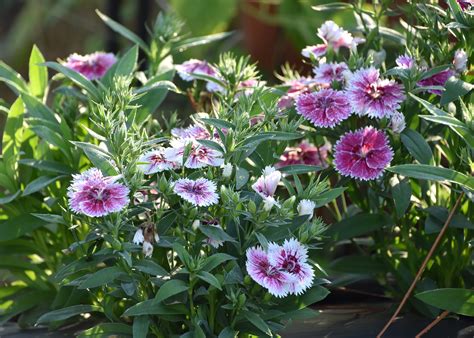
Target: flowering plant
(209, 228)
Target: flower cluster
(282, 269)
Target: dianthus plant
(178, 229)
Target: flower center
(374, 91)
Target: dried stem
(432, 324)
(423, 266)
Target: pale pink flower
(397, 122)
(266, 186)
(261, 271)
(195, 131)
(200, 192)
(193, 66)
(327, 73)
(94, 195)
(292, 258)
(373, 96)
(460, 60)
(405, 61)
(363, 154)
(200, 156)
(315, 51)
(304, 153)
(92, 66)
(325, 108)
(154, 161)
(297, 87)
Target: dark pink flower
(304, 153)
(363, 154)
(465, 4)
(195, 131)
(297, 87)
(325, 108)
(193, 66)
(327, 73)
(94, 195)
(373, 96)
(438, 79)
(259, 268)
(92, 66)
(200, 155)
(200, 192)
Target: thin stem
(423, 266)
(432, 324)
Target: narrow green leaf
(460, 301)
(101, 277)
(327, 196)
(169, 289)
(216, 233)
(127, 63)
(209, 278)
(125, 32)
(259, 323)
(66, 313)
(401, 194)
(13, 133)
(296, 169)
(427, 172)
(455, 88)
(198, 41)
(140, 326)
(150, 307)
(417, 146)
(358, 225)
(51, 166)
(18, 226)
(332, 6)
(39, 184)
(38, 74)
(241, 177)
(13, 79)
(75, 77)
(215, 260)
(150, 267)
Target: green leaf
(311, 296)
(460, 301)
(38, 75)
(66, 313)
(327, 196)
(51, 218)
(417, 146)
(75, 77)
(254, 140)
(213, 145)
(401, 194)
(151, 307)
(101, 277)
(13, 133)
(140, 326)
(393, 35)
(209, 278)
(98, 156)
(39, 184)
(241, 177)
(168, 85)
(125, 32)
(183, 254)
(127, 63)
(427, 172)
(18, 226)
(198, 41)
(457, 126)
(259, 323)
(222, 124)
(296, 169)
(227, 332)
(433, 71)
(38, 109)
(455, 88)
(215, 233)
(358, 225)
(150, 267)
(55, 167)
(169, 289)
(215, 260)
(107, 330)
(12, 79)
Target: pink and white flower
(94, 195)
(397, 122)
(194, 66)
(297, 87)
(200, 156)
(305, 153)
(373, 96)
(200, 192)
(261, 271)
(363, 154)
(315, 51)
(154, 161)
(266, 186)
(327, 73)
(195, 131)
(325, 108)
(405, 61)
(92, 66)
(292, 258)
(306, 207)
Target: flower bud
(460, 60)
(196, 224)
(306, 207)
(227, 170)
(397, 122)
